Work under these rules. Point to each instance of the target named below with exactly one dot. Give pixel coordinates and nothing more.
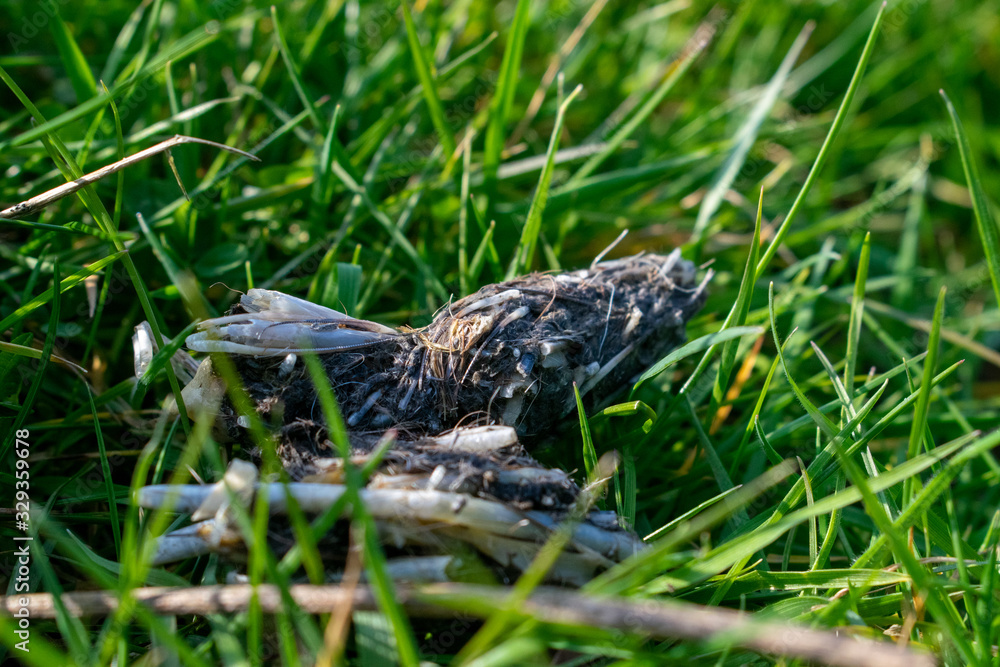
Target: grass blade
(427, 82)
(924, 393)
(824, 150)
(589, 453)
(746, 136)
(72, 58)
(109, 486)
(294, 75)
(738, 316)
(692, 348)
(698, 42)
(533, 226)
(988, 232)
(503, 97)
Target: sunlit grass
(823, 451)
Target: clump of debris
(464, 400)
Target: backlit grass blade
(72, 58)
(589, 453)
(692, 348)
(695, 46)
(427, 82)
(738, 316)
(533, 225)
(824, 150)
(503, 96)
(924, 393)
(294, 75)
(745, 138)
(988, 231)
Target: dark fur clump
(508, 354)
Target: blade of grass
(186, 45)
(100, 213)
(939, 603)
(744, 546)
(922, 407)
(363, 525)
(109, 486)
(754, 425)
(43, 363)
(485, 250)
(689, 514)
(740, 310)
(464, 276)
(626, 487)
(293, 74)
(745, 138)
(692, 348)
(122, 42)
(871, 467)
(988, 232)
(857, 313)
(648, 563)
(70, 627)
(42, 654)
(533, 225)
(77, 69)
(589, 453)
(769, 451)
(698, 42)
(503, 96)
(838, 121)
(427, 82)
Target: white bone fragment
(606, 368)
(634, 317)
(287, 365)
(142, 348)
(512, 410)
(240, 479)
(477, 439)
(489, 301)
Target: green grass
(811, 158)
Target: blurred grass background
(367, 199)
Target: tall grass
(802, 149)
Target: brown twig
(659, 619)
(38, 202)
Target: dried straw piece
(38, 202)
(647, 618)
